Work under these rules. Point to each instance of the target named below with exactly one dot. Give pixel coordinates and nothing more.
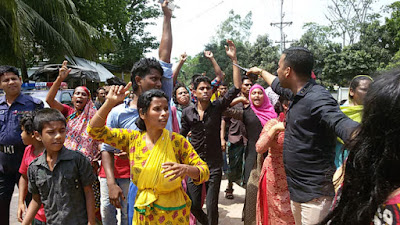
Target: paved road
(230, 211)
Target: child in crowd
(61, 179)
(33, 150)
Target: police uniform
(11, 146)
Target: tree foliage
(370, 47)
(234, 28)
(316, 39)
(123, 24)
(44, 28)
(347, 17)
(261, 53)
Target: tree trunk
(24, 70)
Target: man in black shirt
(312, 123)
(204, 121)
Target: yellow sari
(153, 189)
(158, 201)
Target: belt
(7, 149)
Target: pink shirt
(28, 157)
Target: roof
(50, 72)
(103, 73)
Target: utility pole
(282, 25)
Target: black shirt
(253, 128)
(62, 190)
(312, 123)
(237, 130)
(206, 138)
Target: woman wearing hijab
(254, 117)
(78, 118)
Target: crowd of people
(157, 149)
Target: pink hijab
(264, 112)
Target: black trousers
(7, 184)
(212, 188)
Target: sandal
(229, 194)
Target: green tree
(52, 28)
(234, 28)
(341, 67)
(347, 17)
(123, 24)
(263, 54)
(392, 26)
(316, 39)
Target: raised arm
(164, 52)
(117, 138)
(231, 53)
(218, 72)
(51, 95)
(268, 77)
(178, 68)
(115, 95)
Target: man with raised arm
(146, 74)
(204, 121)
(312, 123)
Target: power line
(282, 25)
(205, 11)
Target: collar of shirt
(195, 107)
(63, 154)
(2, 99)
(307, 87)
(20, 99)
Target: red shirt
(68, 110)
(121, 168)
(28, 157)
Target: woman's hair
(27, 122)
(144, 103)
(176, 87)
(373, 165)
(355, 82)
(283, 100)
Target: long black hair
(144, 103)
(373, 165)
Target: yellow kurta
(133, 142)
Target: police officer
(12, 105)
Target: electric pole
(282, 25)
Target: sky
(195, 22)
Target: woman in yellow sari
(159, 159)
